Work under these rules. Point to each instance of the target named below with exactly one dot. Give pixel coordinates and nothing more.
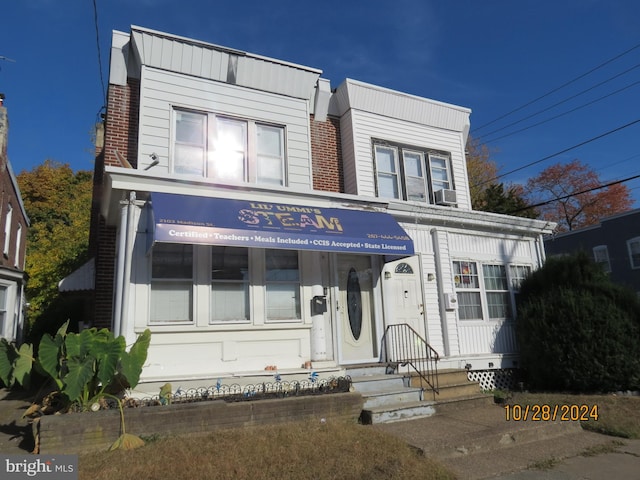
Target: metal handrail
(402, 345)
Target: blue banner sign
(220, 221)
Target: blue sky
(491, 56)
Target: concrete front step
(395, 412)
(391, 396)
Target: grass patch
(618, 415)
(601, 449)
(331, 450)
(547, 464)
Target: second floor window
(228, 149)
(410, 173)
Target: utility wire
(557, 88)
(564, 113)
(95, 22)
(559, 103)
(575, 194)
(592, 139)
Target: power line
(564, 113)
(95, 22)
(559, 103)
(557, 88)
(575, 194)
(592, 139)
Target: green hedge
(577, 330)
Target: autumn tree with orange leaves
(561, 185)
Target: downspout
(123, 270)
(443, 312)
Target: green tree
(510, 202)
(486, 194)
(58, 203)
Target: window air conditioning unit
(446, 197)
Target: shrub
(577, 330)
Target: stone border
(78, 433)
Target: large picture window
(228, 149)
(410, 173)
(171, 298)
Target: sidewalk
(479, 444)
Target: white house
(253, 217)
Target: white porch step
(391, 396)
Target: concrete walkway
(478, 443)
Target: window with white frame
(3, 307)
(228, 149)
(517, 275)
(282, 280)
(16, 258)
(487, 291)
(7, 229)
(410, 173)
(467, 283)
(601, 257)
(497, 291)
(171, 298)
(633, 246)
(229, 284)
(242, 283)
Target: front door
(357, 337)
(402, 287)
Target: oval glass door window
(354, 303)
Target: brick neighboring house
(614, 243)
(13, 237)
(253, 216)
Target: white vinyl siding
(164, 92)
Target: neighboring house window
(229, 284)
(601, 256)
(634, 252)
(490, 295)
(7, 229)
(16, 258)
(282, 279)
(171, 298)
(410, 173)
(228, 149)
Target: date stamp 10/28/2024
(551, 413)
